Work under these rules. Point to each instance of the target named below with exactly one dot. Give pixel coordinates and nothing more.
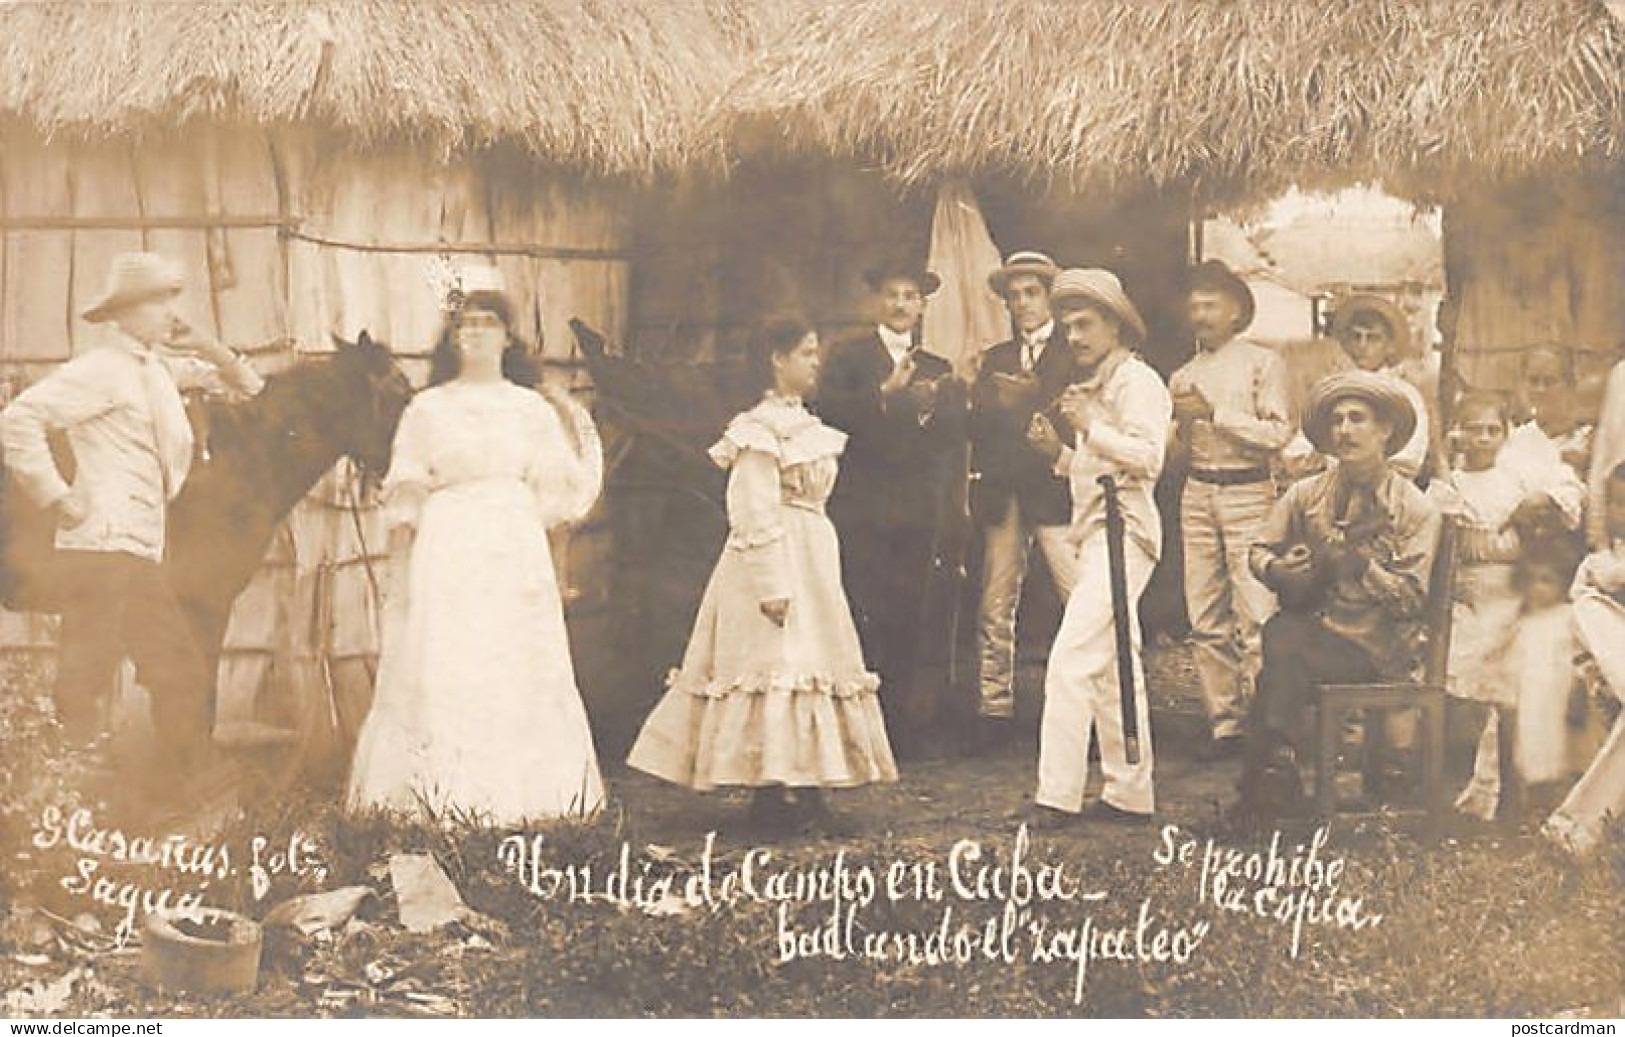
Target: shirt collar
(1108, 367)
(1040, 338)
(131, 347)
(896, 343)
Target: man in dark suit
(905, 415)
(1015, 497)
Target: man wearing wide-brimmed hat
(904, 415)
(1230, 402)
(1375, 336)
(1350, 552)
(1117, 414)
(1016, 498)
(120, 409)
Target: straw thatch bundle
(1266, 92)
(611, 86)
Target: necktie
(896, 344)
(172, 432)
(1028, 359)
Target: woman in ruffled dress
(476, 714)
(1504, 630)
(773, 693)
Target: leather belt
(1230, 476)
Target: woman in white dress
(476, 714)
(773, 693)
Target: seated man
(1348, 552)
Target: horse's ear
(340, 342)
(364, 340)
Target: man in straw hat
(904, 414)
(120, 409)
(1230, 403)
(1349, 551)
(1375, 336)
(1016, 498)
(1117, 416)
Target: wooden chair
(1376, 701)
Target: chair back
(1440, 606)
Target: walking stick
(1121, 618)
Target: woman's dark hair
(1564, 355)
(1557, 553)
(519, 364)
(775, 337)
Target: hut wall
(713, 260)
(288, 239)
(1537, 262)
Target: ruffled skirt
(755, 704)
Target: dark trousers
(116, 605)
(1300, 653)
(886, 571)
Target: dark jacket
(897, 459)
(1003, 463)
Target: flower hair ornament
(446, 282)
(453, 282)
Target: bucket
(202, 950)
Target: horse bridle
(377, 384)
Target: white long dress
(476, 713)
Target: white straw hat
(135, 277)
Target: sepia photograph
(805, 509)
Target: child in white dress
(1496, 505)
(1531, 667)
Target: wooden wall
(288, 237)
(1538, 262)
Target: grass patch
(1488, 926)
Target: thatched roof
(1422, 94)
(615, 86)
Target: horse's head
(378, 391)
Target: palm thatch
(613, 86)
(1426, 94)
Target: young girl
(1532, 667)
(773, 693)
(1495, 505)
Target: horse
(666, 510)
(261, 456)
